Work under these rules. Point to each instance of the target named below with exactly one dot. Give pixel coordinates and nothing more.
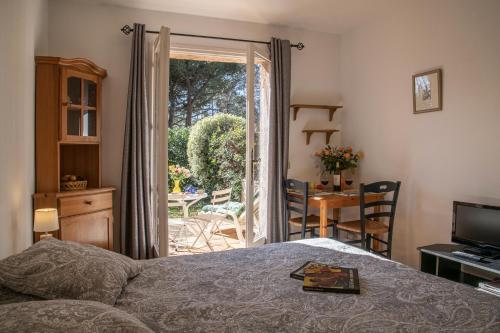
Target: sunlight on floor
(183, 240)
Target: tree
(202, 88)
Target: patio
(184, 239)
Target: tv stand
(438, 259)
(484, 251)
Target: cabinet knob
(88, 202)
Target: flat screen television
(477, 225)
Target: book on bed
(326, 278)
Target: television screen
(476, 224)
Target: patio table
(185, 200)
(194, 225)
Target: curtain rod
(128, 29)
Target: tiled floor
(181, 239)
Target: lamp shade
(46, 219)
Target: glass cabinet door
(80, 107)
(89, 108)
(73, 121)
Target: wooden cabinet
(68, 142)
(84, 216)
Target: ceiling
(330, 16)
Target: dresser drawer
(82, 204)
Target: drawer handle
(88, 202)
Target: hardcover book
(321, 277)
(299, 274)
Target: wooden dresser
(68, 142)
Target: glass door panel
(261, 143)
(89, 93)
(258, 94)
(73, 121)
(89, 123)
(74, 90)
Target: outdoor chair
(218, 210)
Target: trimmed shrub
(216, 153)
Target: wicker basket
(74, 185)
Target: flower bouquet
(178, 174)
(338, 157)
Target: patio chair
(234, 213)
(211, 213)
(221, 210)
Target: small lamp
(46, 220)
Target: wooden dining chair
(369, 223)
(296, 197)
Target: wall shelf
(330, 108)
(328, 134)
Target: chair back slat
(291, 198)
(295, 209)
(221, 196)
(377, 215)
(296, 204)
(381, 187)
(365, 208)
(379, 203)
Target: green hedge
(177, 146)
(177, 153)
(216, 153)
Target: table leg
(336, 217)
(323, 218)
(376, 243)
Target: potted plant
(178, 174)
(337, 159)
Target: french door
(159, 137)
(257, 119)
(257, 111)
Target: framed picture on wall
(427, 91)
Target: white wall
(440, 156)
(23, 33)
(93, 31)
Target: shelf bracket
(332, 111)
(330, 108)
(308, 137)
(295, 111)
(328, 135)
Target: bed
(249, 290)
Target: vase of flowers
(178, 174)
(336, 159)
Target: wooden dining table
(325, 201)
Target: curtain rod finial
(300, 46)
(126, 29)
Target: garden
(208, 156)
